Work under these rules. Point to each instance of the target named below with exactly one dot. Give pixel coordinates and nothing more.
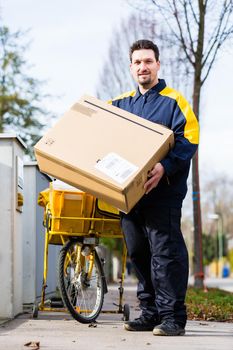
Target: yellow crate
(73, 212)
(67, 210)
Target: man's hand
(154, 177)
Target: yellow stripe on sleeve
(124, 95)
(191, 129)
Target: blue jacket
(166, 106)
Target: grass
(211, 305)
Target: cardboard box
(103, 150)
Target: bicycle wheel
(81, 282)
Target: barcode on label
(126, 174)
(111, 165)
(116, 167)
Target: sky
(70, 40)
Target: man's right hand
(155, 175)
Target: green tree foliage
(209, 248)
(20, 96)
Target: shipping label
(116, 167)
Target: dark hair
(144, 44)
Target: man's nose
(143, 66)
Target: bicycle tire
(83, 297)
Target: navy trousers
(159, 256)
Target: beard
(144, 80)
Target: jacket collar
(155, 89)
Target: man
(152, 228)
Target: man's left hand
(155, 176)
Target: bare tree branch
(163, 11)
(222, 40)
(219, 34)
(188, 27)
(182, 38)
(192, 11)
(173, 11)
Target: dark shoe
(141, 324)
(168, 328)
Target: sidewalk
(59, 331)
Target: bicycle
(82, 281)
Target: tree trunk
(198, 256)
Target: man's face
(144, 68)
